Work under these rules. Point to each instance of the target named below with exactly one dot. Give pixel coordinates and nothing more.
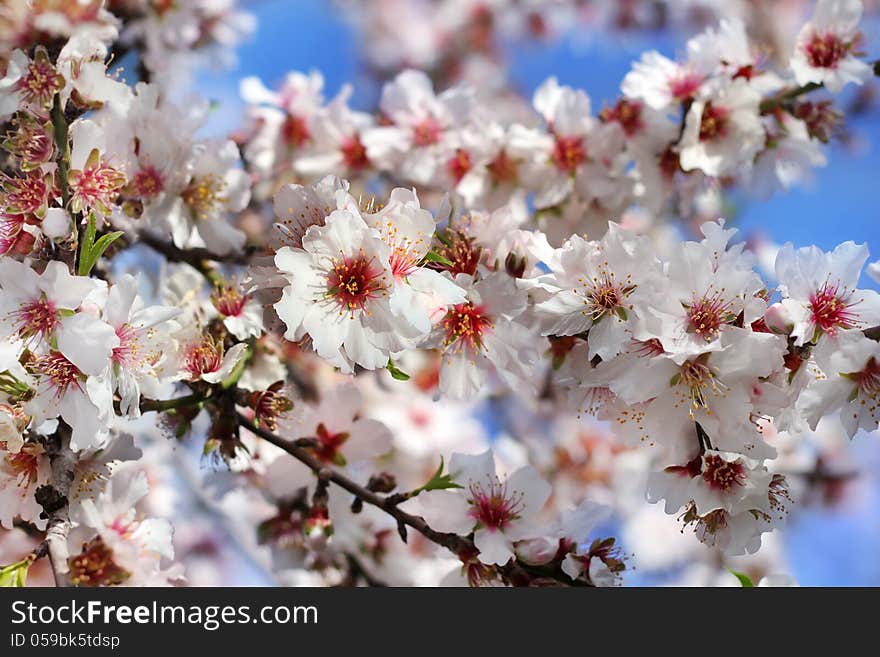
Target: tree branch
(54, 498)
(452, 542)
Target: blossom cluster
(324, 305)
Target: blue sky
(836, 547)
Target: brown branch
(198, 258)
(54, 498)
(452, 542)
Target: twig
(54, 498)
(452, 542)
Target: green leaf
(15, 574)
(438, 481)
(396, 374)
(90, 250)
(433, 256)
(744, 579)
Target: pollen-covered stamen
(648, 348)
(713, 122)
(604, 295)
(94, 566)
(96, 186)
(330, 445)
(568, 153)
(868, 379)
(705, 527)
(831, 308)
(147, 183)
(128, 352)
(269, 405)
(228, 301)
(825, 50)
(354, 153)
(203, 357)
(41, 82)
(30, 141)
(722, 475)
(697, 380)
(28, 195)
(355, 281)
(460, 250)
(706, 315)
(493, 506)
(628, 113)
(204, 196)
(25, 464)
(466, 326)
(295, 131)
(36, 318)
(59, 372)
(779, 495)
(427, 132)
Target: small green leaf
(438, 481)
(433, 256)
(621, 312)
(396, 374)
(91, 251)
(15, 574)
(744, 579)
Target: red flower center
(202, 358)
(628, 114)
(459, 165)
(466, 326)
(354, 282)
(706, 316)
(37, 317)
(295, 131)
(329, 445)
(60, 372)
(354, 153)
(825, 50)
(427, 132)
(148, 183)
(503, 168)
(722, 475)
(492, 505)
(831, 309)
(713, 122)
(568, 153)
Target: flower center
(459, 165)
(492, 505)
(204, 195)
(354, 153)
(148, 183)
(685, 85)
(96, 186)
(722, 475)
(568, 153)
(628, 114)
(831, 309)
(466, 326)
(203, 358)
(427, 132)
(503, 168)
(603, 295)
(825, 50)
(25, 195)
(460, 250)
(330, 445)
(126, 353)
(713, 122)
(41, 82)
(60, 372)
(698, 380)
(228, 301)
(706, 316)
(354, 282)
(94, 566)
(38, 317)
(25, 464)
(295, 131)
